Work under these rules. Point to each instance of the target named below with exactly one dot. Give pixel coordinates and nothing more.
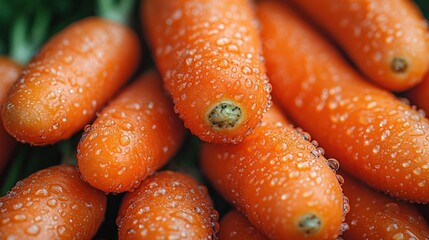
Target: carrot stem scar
(225, 115)
(399, 65)
(309, 224)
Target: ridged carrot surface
(168, 205)
(279, 180)
(133, 136)
(9, 73)
(375, 216)
(235, 226)
(388, 40)
(69, 79)
(209, 54)
(53, 203)
(373, 135)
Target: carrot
(279, 180)
(375, 216)
(388, 40)
(69, 79)
(374, 136)
(52, 203)
(131, 138)
(235, 226)
(419, 95)
(9, 73)
(168, 205)
(209, 54)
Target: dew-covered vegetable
(209, 55)
(279, 180)
(168, 205)
(69, 79)
(375, 216)
(373, 135)
(133, 136)
(53, 203)
(387, 40)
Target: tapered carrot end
(309, 224)
(399, 65)
(224, 115)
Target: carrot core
(224, 115)
(399, 65)
(309, 224)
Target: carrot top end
(225, 115)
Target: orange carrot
(52, 203)
(419, 95)
(235, 226)
(375, 216)
(373, 135)
(209, 54)
(69, 79)
(168, 205)
(279, 180)
(388, 40)
(9, 73)
(132, 137)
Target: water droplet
(42, 192)
(52, 202)
(17, 206)
(33, 230)
(20, 217)
(124, 140)
(55, 126)
(188, 61)
(121, 170)
(222, 41)
(61, 229)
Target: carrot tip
(399, 65)
(224, 115)
(309, 224)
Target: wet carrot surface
(375, 216)
(53, 203)
(235, 226)
(372, 134)
(209, 54)
(279, 180)
(134, 135)
(9, 73)
(387, 40)
(69, 79)
(168, 205)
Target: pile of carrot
(220, 119)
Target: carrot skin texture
(379, 36)
(373, 215)
(9, 73)
(419, 95)
(134, 135)
(235, 226)
(168, 204)
(209, 54)
(276, 178)
(69, 79)
(373, 135)
(53, 203)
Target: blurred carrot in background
(9, 73)
(235, 226)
